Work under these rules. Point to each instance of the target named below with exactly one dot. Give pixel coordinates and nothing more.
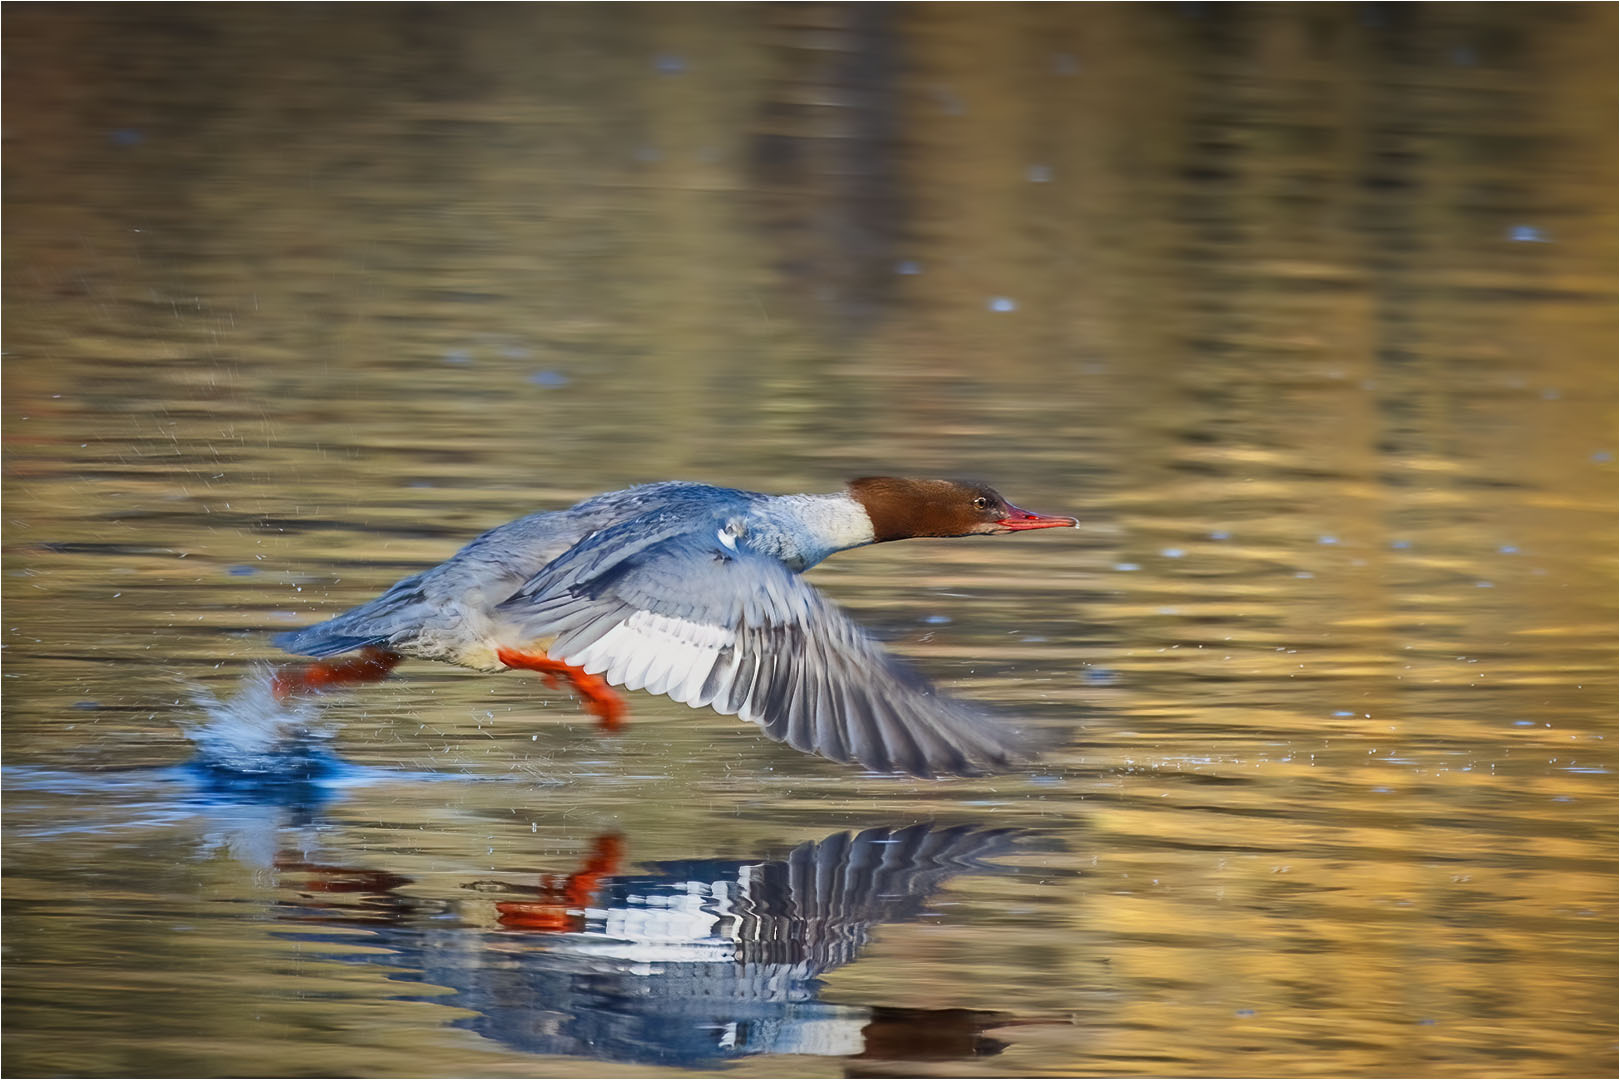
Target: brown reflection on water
(1307, 311)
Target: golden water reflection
(1306, 311)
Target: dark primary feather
(658, 604)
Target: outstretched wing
(708, 622)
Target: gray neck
(801, 530)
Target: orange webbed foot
(370, 665)
(596, 696)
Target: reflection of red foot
(595, 694)
(339, 879)
(559, 908)
(606, 856)
(371, 665)
(328, 895)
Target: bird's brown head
(901, 508)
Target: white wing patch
(658, 653)
(714, 623)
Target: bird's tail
(384, 622)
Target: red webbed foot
(598, 698)
(370, 665)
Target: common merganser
(694, 592)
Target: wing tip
(1015, 750)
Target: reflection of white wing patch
(657, 653)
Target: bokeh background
(1307, 311)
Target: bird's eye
(981, 503)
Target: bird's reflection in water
(684, 963)
(688, 963)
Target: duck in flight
(694, 592)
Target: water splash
(254, 736)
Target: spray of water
(253, 734)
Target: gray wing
(708, 623)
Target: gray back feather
(396, 613)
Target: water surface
(1306, 312)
